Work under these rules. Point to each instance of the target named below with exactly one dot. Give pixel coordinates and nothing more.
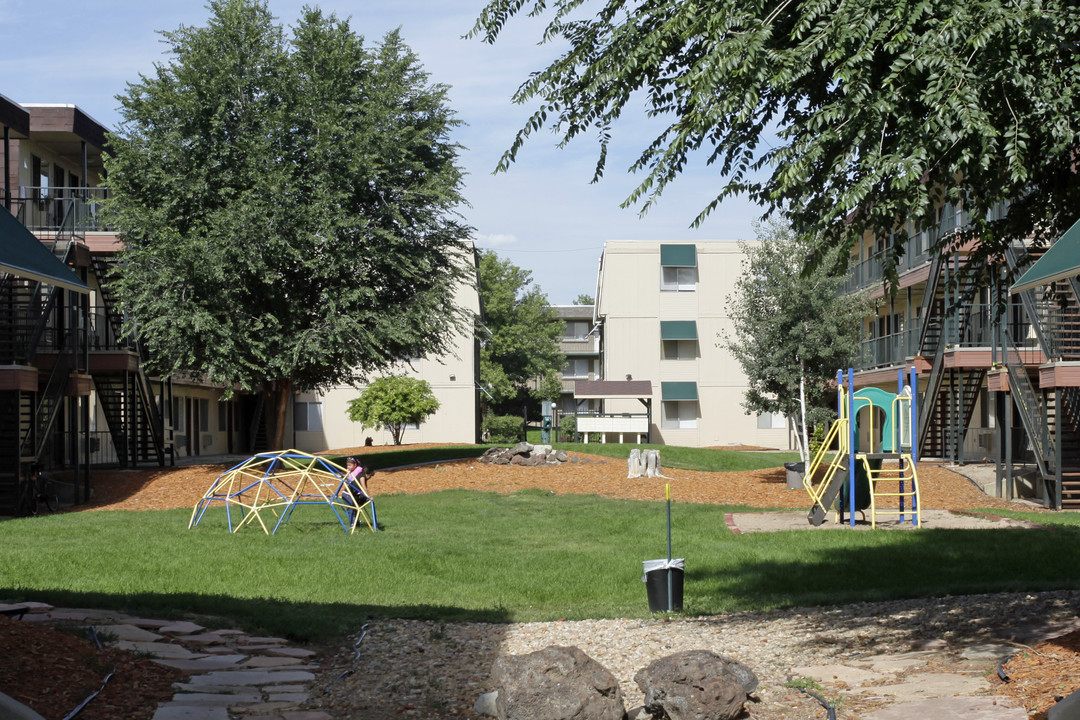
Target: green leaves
(288, 205)
(520, 334)
(883, 109)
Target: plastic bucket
(659, 576)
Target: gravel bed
(432, 670)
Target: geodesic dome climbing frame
(267, 487)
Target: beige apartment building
(663, 313)
(320, 420)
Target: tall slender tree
(792, 328)
(288, 206)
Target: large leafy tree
(856, 116)
(792, 328)
(520, 359)
(288, 206)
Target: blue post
(898, 439)
(851, 446)
(914, 434)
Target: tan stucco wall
(632, 307)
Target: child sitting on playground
(355, 486)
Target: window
(222, 416)
(204, 415)
(575, 330)
(679, 414)
(680, 349)
(307, 417)
(678, 268)
(577, 368)
(771, 421)
(679, 339)
(178, 414)
(678, 279)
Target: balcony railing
(970, 327)
(103, 337)
(75, 210)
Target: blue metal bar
(914, 439)
(851, 447)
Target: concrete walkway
(227, 671)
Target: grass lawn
(531, 555)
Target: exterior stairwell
(1063, 410)
(127, 400)
(951, 394)
(1051, 415)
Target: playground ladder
(826, 491)
(900, 482)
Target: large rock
(556, 683)
(695, 685)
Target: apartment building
(662, 311)
(74, 391)
(580, 343)
(998, 382)
(320, 420)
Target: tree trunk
(277, 404)
(805, 450)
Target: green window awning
(1061, 261)
(678, 330)
(23, 255)
(678, 391)
(678, 255)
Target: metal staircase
(951, 394)
(1050, 416)
(135, 421)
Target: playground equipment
(873, 427)
(275, 483)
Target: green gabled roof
(1061, 261)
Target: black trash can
(657, 573)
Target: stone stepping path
(228, 673)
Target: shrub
(503, 429)
(568, 428)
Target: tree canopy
(392, 402)
(855, 116)
(584, 299)
(520, 359)
(792, 328)
(288, 206)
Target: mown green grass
(531, 555)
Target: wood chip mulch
(1042, 675)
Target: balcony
(970, 328)
(61, 210)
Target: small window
(307, 417)
(577, 368)
(678, 279)
(771, 421)
(223, 416)
(680, 349)
(204, 415)
(680, 414)
(575, 330)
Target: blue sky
(543, 214)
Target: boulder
(522, 448)
(696, 685)
(560, 456)
(519, 460)
(556, 683)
